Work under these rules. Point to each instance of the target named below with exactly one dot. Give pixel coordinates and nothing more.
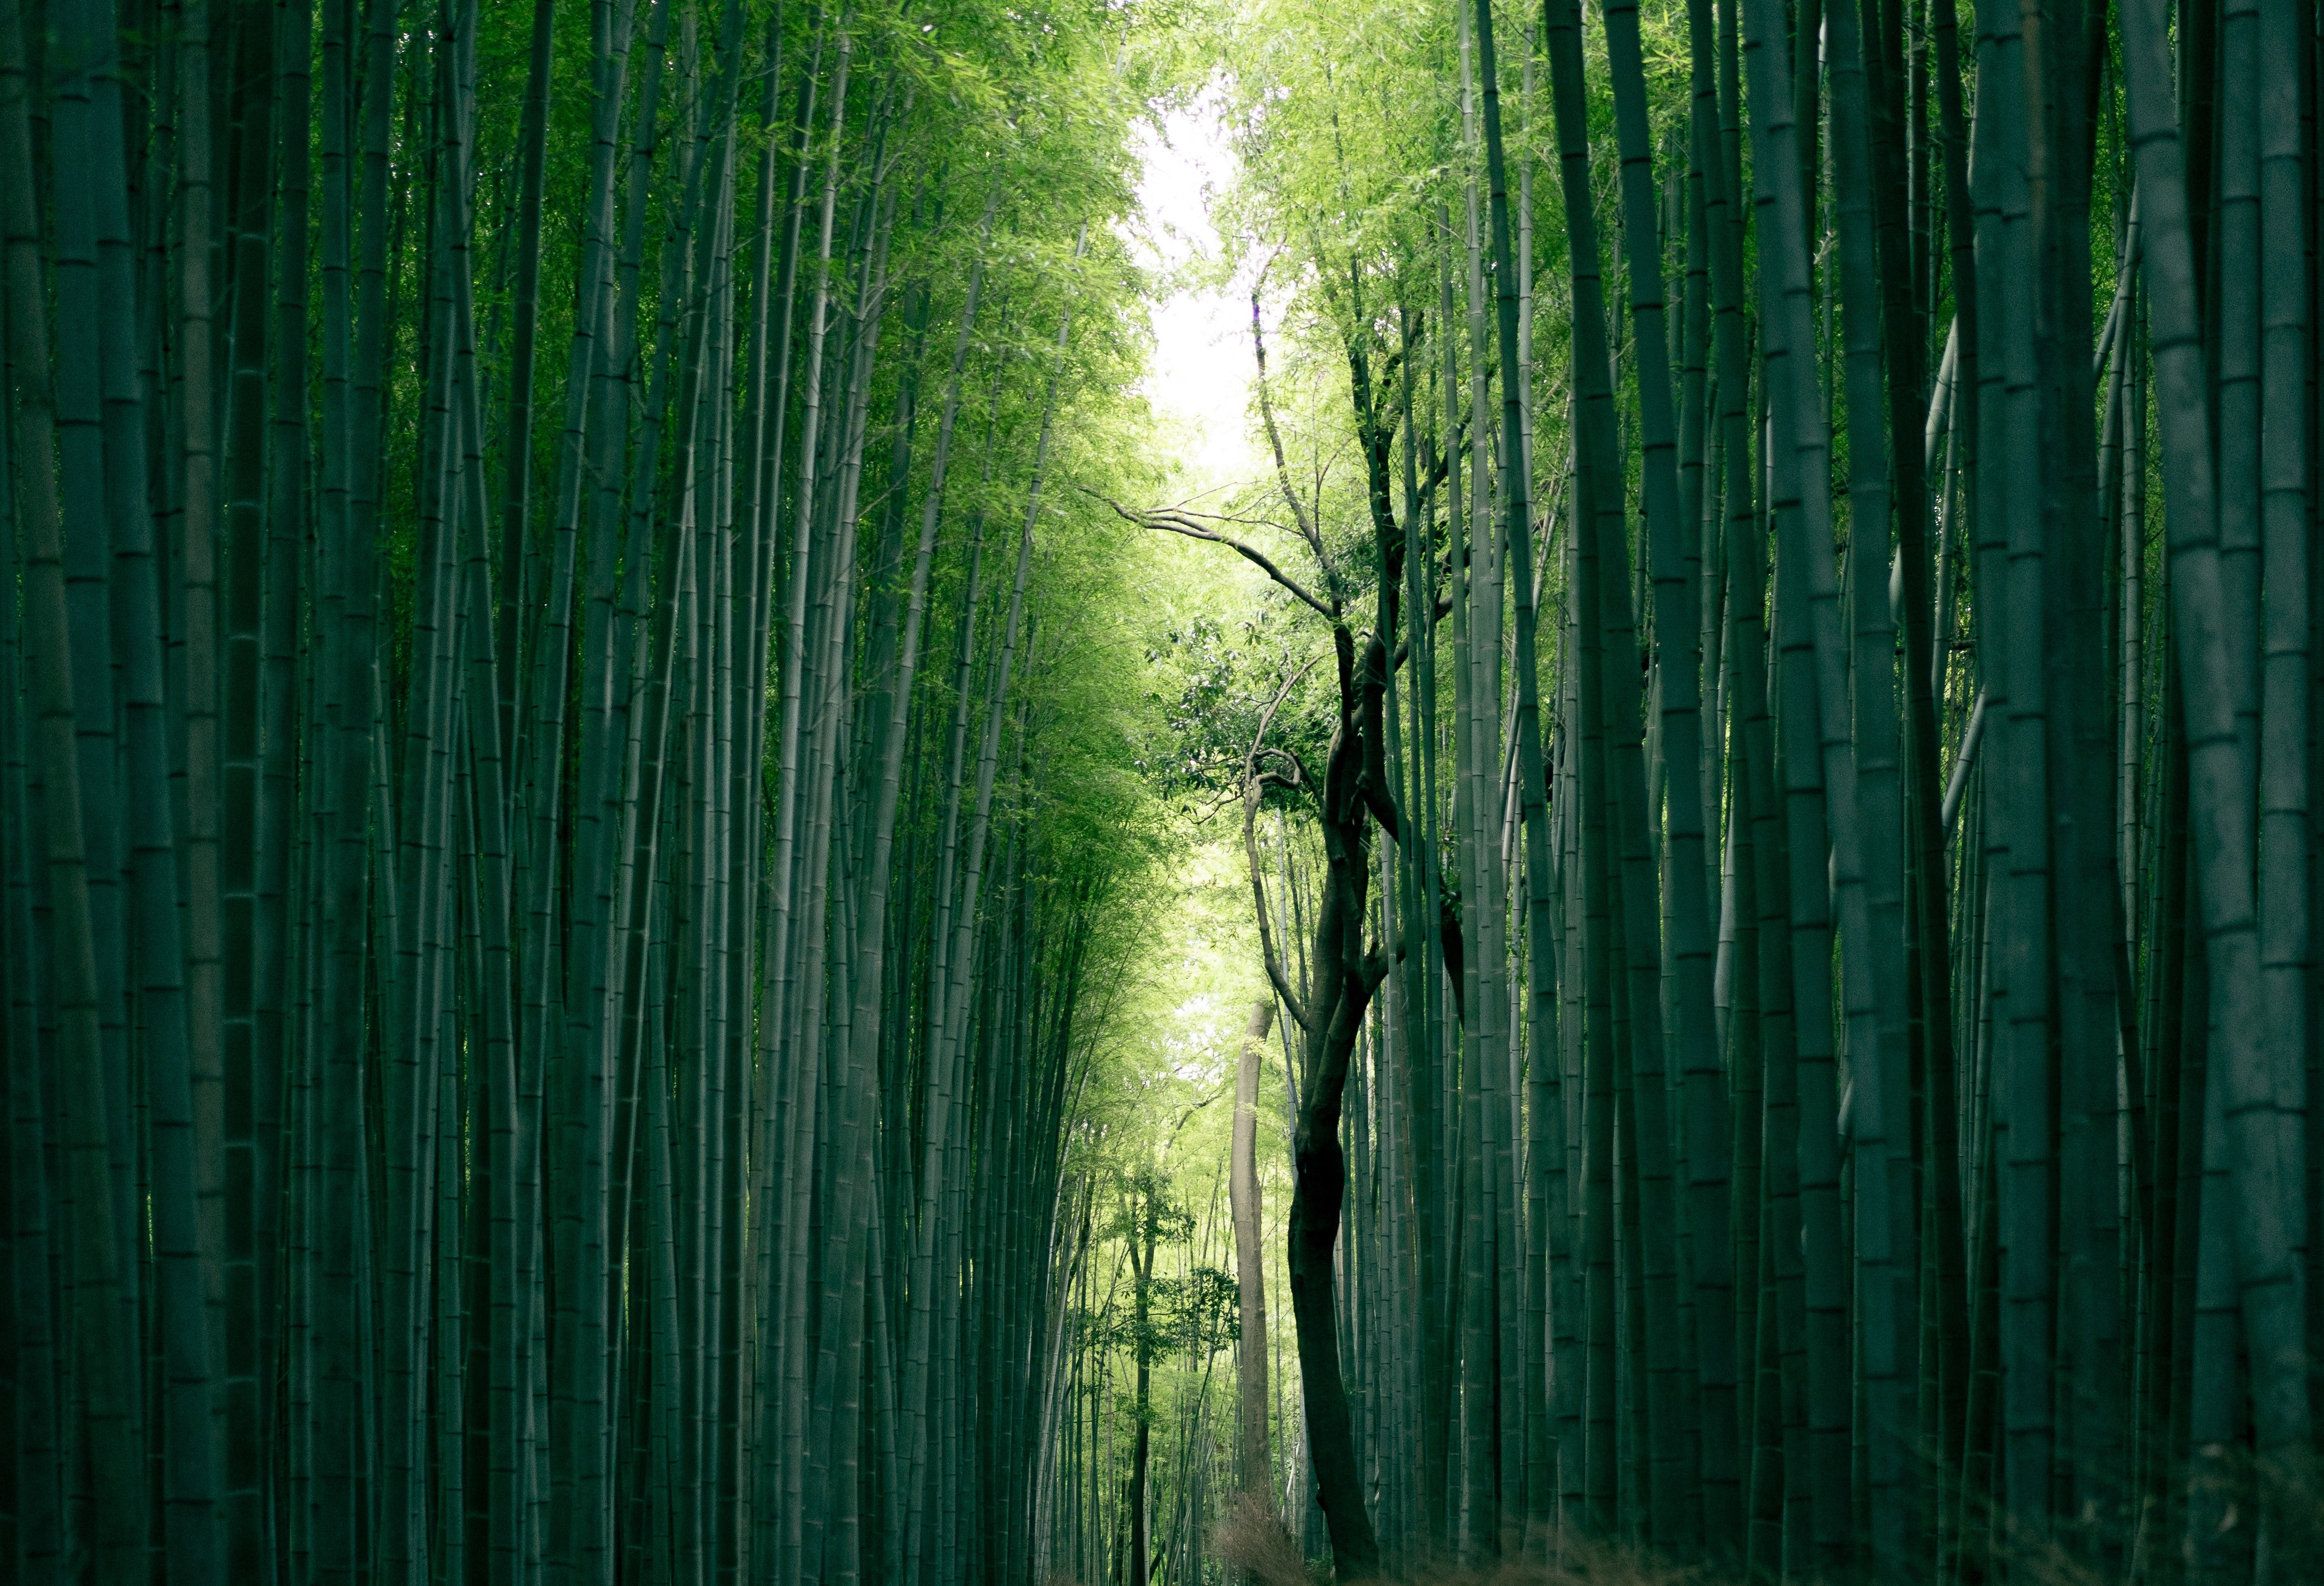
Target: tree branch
(1274, 440)
(1253, 782)
(1171, 521)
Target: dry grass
(1252, 1539)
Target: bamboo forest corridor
(1161, 792)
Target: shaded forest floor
(1251, 1539)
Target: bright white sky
(1200, 383)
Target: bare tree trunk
(1243, 1187)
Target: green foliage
(1194, 1316)
(1225, 691)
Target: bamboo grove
(562, 862)
(1782, 842)
(579, 811)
